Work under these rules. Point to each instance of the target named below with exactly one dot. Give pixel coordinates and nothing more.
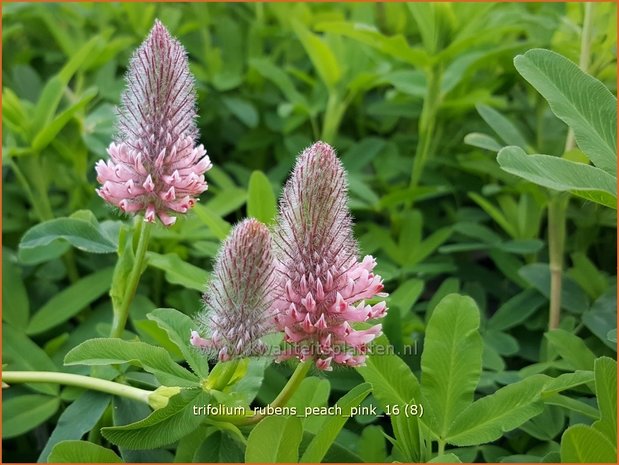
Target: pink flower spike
(238, 300)
(320, 274)
(155, 147)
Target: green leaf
(405, 296)
(23, 413)
(79, 59)
(332, 425)
(244, 110)
(280, 78)
(482, 141)
(275, 439)
(427, 18)
(451, 361)
(261, 202)
(70, 301)
(573, 298)
(178, 326)
(372, 445)
(486, 419)
(51, 130)
(82, 452)
(47, 104)
(584, 444)
(219, 447)
(409, 238)
(572, 404)
(15, 304)
(227, 201)
(393, 383)
(77, 419)
(362, 153)
(109, 351)
(81, 234)
(395, 46)
(20, 353)
(126, 411)
(547, 425)
(312, 392)
(163, 426)
(218, 226)
(52, 92)
(496, 214)
(516, 310)
(446, 458)
(556, 173)
(605, 370)
(567, 381)
(503, 127)
(572, 349)
(580, 100)
(320, 54)
(178, 271)
(429, 245)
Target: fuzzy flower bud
(155, 167)
(240, 294)
(323, 285)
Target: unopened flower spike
(240, 295)
(155, 167)
(323, 284)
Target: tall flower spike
(239, 298)
(155, 167)
(323, 285)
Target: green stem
(37, 206)
(441, 447)
(333, 117)
(293, 384)
(43, 211)
(556, 244)
(584, 59)
(427, 124)
(558, 204)
(122, 313)
(282, 398)
(35, 173)
(69, 379)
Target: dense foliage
(479, 141)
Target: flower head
(155, 167)
(240, 295)
(323, 284)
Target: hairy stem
(122, 313)
(69, 379)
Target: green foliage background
(416, 98)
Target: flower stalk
(557, 208)
(121, 313)
(86, 382)
(281, 400)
